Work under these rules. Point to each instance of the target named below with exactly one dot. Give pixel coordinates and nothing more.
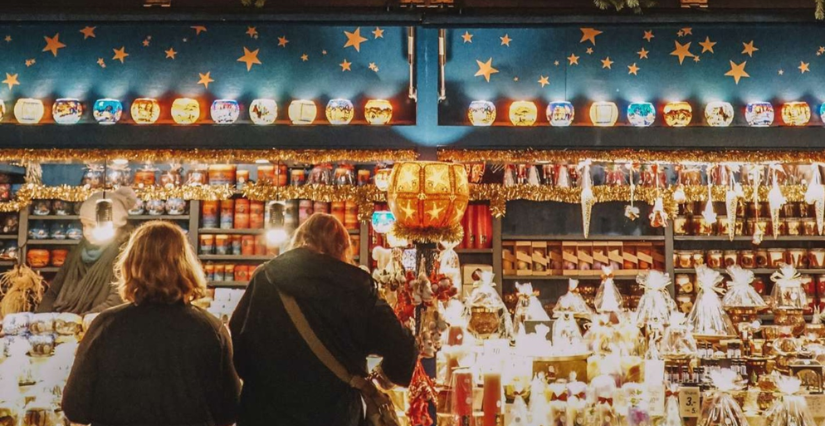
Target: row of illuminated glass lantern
(187, 111)
(643, 114)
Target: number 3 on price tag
(689, 404)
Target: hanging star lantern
(53, 44)
(544, 81)
(573, 59)
(304, 57)
(251, 32)
(205, 79)
(88, 32)
(633, 69)
(250, 58)
(198, 29)
(467, 37)
(606, 63)
(120, 54)
(682, 51)
(589, 34)
(170, 54)
(737, 71)
(345, 66)
(707, 45)
(485, 69)
(642, 53)
(354, 39)
(282, 41)
(377, 33)
(648, 36)
(11, 80)
(505, 41)
(749, 49)
(803, 67)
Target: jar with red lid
(38, 258)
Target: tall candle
(492, 400)
(463, 396)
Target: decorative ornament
(708, 214)
(604, 114)
(28, 110)
(632, 212)
(378, 111)
(678, 114)
(339, 111)
(587, 199)
(107, 111)
(679, 194)
(481, 113)
(635, 5)
(302, 112)
(67, 111)
(382, 221)
(185, 111)
(263, 111)
(560, 113)
(815, 194)
(759, 114)
(225, 111)
(523, 113)
(719, 114)
(658, 215)
(796, 113)
(381, 179)
(775, 199)
(641, 114)
(145, 110)
(732, 196)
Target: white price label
(689, 401)
(657, 400)
(816, 403)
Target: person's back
(284, 382)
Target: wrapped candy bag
(787, 290)
(529, 307)
(677, 342)
(721, 409)
(572, 302)
(602, 412)
(791, 409)
(557, 415)
(567, 337)
(449, 264)
(740, 292)
(539, 407)
(637, 406)
(485, 312)
(602, 338)
(576, 401)
(608, 297)
(673, 416)
(707, 318)
(656, 304)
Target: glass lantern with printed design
(107, 111)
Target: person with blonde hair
(284, 382)
(158, 359)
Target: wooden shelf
(566, 277)
(767, 239)
(231, 231)
(7, 263)
(354, 231)
(474, 251)
(230, 284)
(54, 217)
(47, 269)
(577, 237)
(233, 257)
(158, 217)
(66, 242)
(8, 236)
(758, 271)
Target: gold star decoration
(30, 62)
(682, 51)
(485, 69)
(323, 52)
(304, 57)
(101, 62)
(515, 78)
(354, 39)
(680, 33)
(803, 67)
(606, 63)
(373, 67)
(589, 50)
(282, 41)
(642, 53)
(198, 29)
(170, 54)
(120, 54)
(146, 43)
(821, 50)
(88, 32)
(251, 32)
(11, 80)
(648, 35)
(781, 72)
(345, 66)
(544, 81)
(378, 33)
(205, 79)
(633, 69)
(8, 39)
(505, 41)
(749, 49)
(435, 211)
(589, 34)
(467, 37)
(573, 59)
(556, 63)
(696, 59)
(737, 71)
(408, 210)
(250, 58)
(53, 44)
(687, 31)
(707, 45)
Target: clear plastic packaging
(558, 404)
(787, 290)
(485, 313)
(572, 302)
(656, 304)
(707, 318)
(740, 292)
(529, 307)
(576, 401)
(677, 342)
(608, 297)
(673, 416)
(791, 409)
(567, 337)
(602, 412)
(721, 409)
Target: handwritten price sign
(689, 402)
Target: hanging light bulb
(775, 200)
(815, 194)
(708, 214)
(276, 234)
(104, 229)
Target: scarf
(87, 277)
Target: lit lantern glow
(382, 221)
(225, 111)
(67, 111)
(759, 114)
(2, 109)
(796, 113)
(523, 113)
(145, 110)
(339, 111)
(641, 114)
(107, 111)
(604, 114)
(302, 111)
(560, 113)
(719, 114)
(29, 111)
(425, 194)
(378, 111)
(678, 114)
(263, 111)
(481, 113)
(185, 110)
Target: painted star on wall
(30, 62)
(821, 50)
(707, 45)
(377, 33)
(354, 39)
(170, 54)
(198, 29)
(120, 54)
(467, 37)
(696, 59)
(749, 49)
(146, 43)
(648, 36)
(682, 51)
(589, 34)
(11, 80)
(573, 59)
(88, 32)
(687, 31)
(53, 44)
(250, 58)
(304, 57)
(485, 69)
(589, 51)
(737, 71)
(633, 69)
(205, 79)
(101, 62)
(252, 32)
(8, 39)
(642, 53)
(345, 66)
(803, 67)
(282, 41)
(606, 63)
(505, 41)
(544, 81)
(373, 67)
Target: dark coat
(284, 383)
(153, 364)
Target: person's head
(325, 234)
(123, 199)
(159, 266)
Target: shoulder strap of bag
(315, 344)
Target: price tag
(689, 404)
(657, 400)
(816, 403)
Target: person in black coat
(284, 382)
(157, 360)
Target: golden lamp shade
(604, 114)
(302, 112)
(678, 114)
(796, 113)
(145, 110)
(428, 199)
(523, 113)
(185, 110)
(378, 111)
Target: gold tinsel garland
(429, 235)
(365, 196)
(187, 192)
(630, 155)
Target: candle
(491, 401)
(463, 396)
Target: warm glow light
(185, 111)
(604, 114)
(263, 111)
(481, 113)
(107, 111)
(378, 111)
(759, 114)
(426, 194)
(382, 221)
(103, 232)
(67, 111)
(560, 113)
(29, 111)
(523, 113)
(145, 110)
(719, 114)
(796, 113)
(678, 114)
(225, 111)
(276, 234)
(104, 229)
(339, 111)
(641, 114)
(275, 237)
(2, 109)
(302, 111)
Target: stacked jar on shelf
(795, 219)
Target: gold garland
(630, 155)
(429, 235)
(308, 156)
(61, 192)
(365, 196)
(187, 192)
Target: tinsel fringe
(365, 195)
(429, 235)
